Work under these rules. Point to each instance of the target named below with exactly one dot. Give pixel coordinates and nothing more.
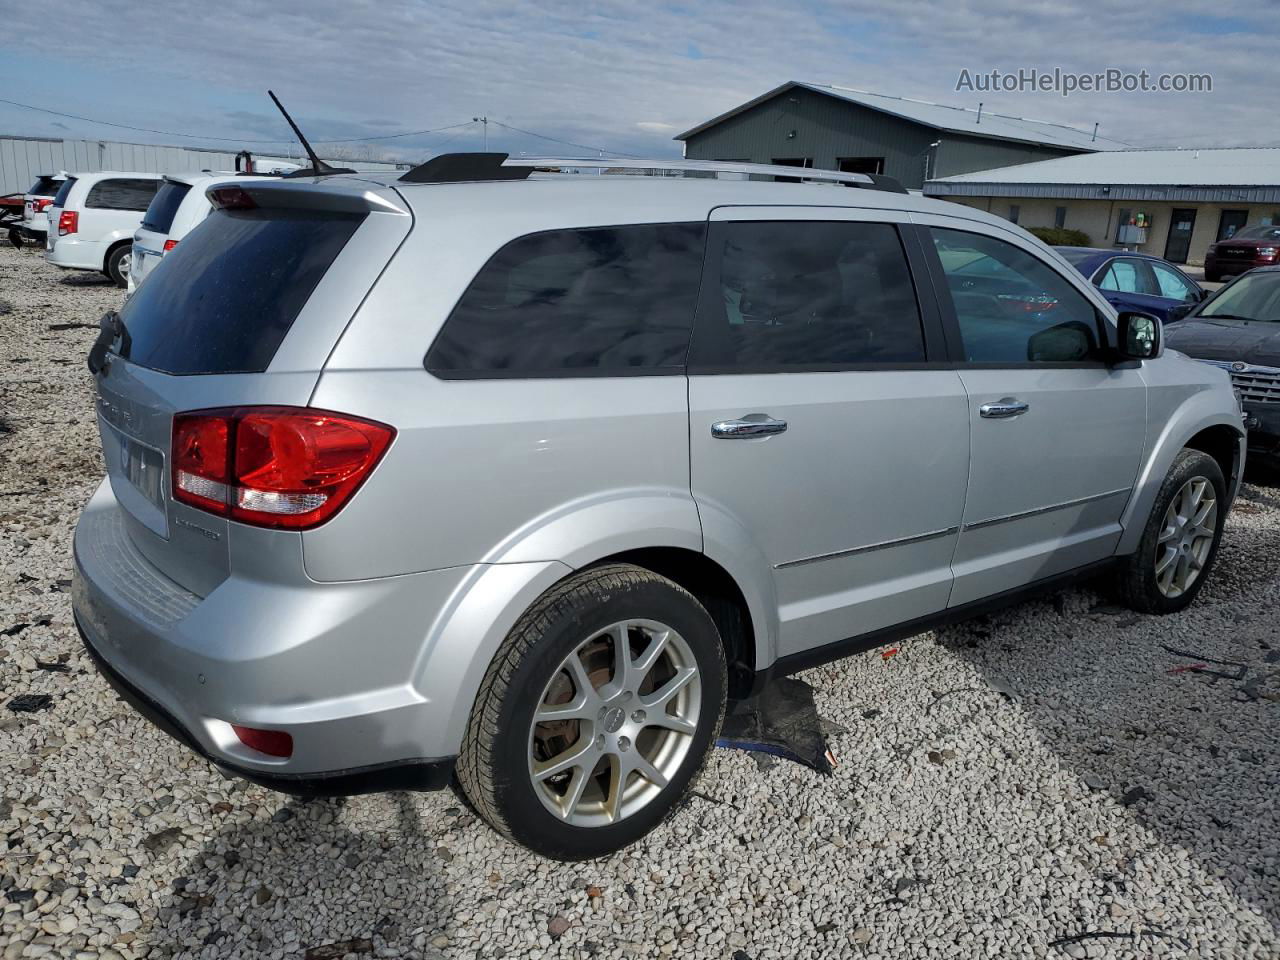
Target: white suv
(180, 205)
(36, 203)
(92, 220)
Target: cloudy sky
(613, 75)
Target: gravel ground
(1042, 774)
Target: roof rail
(712, 167)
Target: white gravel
(983, 806)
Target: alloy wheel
(1186, 537)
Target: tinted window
(121, 194)
(1255, 296)
(1172, 284)
(1011, 306)
(45, 187)
(598, 300)
(807, 294)
(60, 198)
(223, 299)
(159, 216)
(1259, 233)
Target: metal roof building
(1182, 200)
(22, 159)
(842, 128)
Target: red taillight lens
(41, 202)
(274, 743)
(286, 467)
(169, 245)
(231, 198)
(68, 222)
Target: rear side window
(806, 294)
(122, 193)
(159, 216)
(45, 187)
(223, 299)
(595, 301)
(1129, 276)
(60, 198)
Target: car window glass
(1123, 276)
(793, 294)
(596, 300)
(121, 193)
(1173, 284)
(60, 198)
(1011, 306)
(1254, 297)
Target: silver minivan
(505, 476)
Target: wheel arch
(113, 247)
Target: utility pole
(485, 121)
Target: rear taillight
(169, 245)
(68, 222)
(287, 467)
(40, 203)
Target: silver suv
(510, 481)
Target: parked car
(93, 218)
(518, 480)
(179, 206)
(1137, 281)
(34, 223)
(1238, 329)
(1244, 250)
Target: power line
(201, 136)
(567, 143)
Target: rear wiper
(110, 328)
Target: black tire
(117, 266)
(492, 767)
(1137, 582)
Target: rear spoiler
(284, 195)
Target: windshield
(1255, 296)
(160, 213)
(60, 198)
(1258, 233)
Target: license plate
(145, 469)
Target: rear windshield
(1074, 256)
(159, 215)
(45, 187)
(60, 198)
(223, 299)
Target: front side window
(806, 294)
(122, 193)
(1012, 307)
(1129, 276)
(1174, 285)
(594, 301)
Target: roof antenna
(318, 167)
(979, 114)
(1095, 130)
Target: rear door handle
(752, 425)
(1004, 408)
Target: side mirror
(1139, 335)
(1202, 294)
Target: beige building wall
(1100, 219)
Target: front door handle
(1004, 408)
(752, 425)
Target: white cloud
(344, 67)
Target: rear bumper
(375, 778)
(71, 253)
(342, 667)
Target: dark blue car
(1137, 281)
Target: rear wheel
(596, 715)
(1180, 541)
(118, 263)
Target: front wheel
(118, 263)
(596, 715)
(1180, 540)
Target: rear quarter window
(599, 301)
(159, 215)
(121, 193)
(223, 299)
